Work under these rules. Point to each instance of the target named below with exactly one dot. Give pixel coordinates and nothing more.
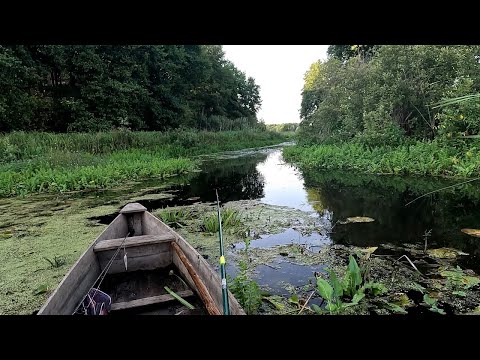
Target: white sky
(279, 70)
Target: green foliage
(45, 162)
(246, 291)
(419, 158)
(179, 298)
(41, 289)
(286, 127)
(432, 303)
(101, 87)
(175, 218)
(230, 219)
(56, 262)
(382, 95)
(352, 288)
(395, 308)
(458, 280)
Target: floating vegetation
(40, 289)
(357, 219)
(445, 253)
(472, 232)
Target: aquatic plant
(420, 158)
(230, 220)
(56, 262)
(246, 291)
(44, 162)
(353, 288)
(175, 217)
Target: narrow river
(330, 197)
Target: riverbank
(419, 158)
(45, 162)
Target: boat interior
(138, 261)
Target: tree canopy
(142, 87)
(391, 94)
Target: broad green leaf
(459, 293)
(428, 300)
(437, 310)
(337, 286)
(419, 287)
(375, 288)
(395, 308)
(293, 299)
(357, 297)
(332, 307)
(472, 232)
(273, 300)
(324, 289)
(317, 309)
(40, 290)
(354, 270)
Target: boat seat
(133, 241)
(150, 300)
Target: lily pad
(472, 232)
(445, 253)
(357, 219)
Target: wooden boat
(152, 249)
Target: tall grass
(22, 145)
(43, 162)
(230, 219)
(420, 158)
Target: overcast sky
(279, 70)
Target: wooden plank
(135, 223)
(150, 300)
(78, 280)
(117, 228)
(202, 290)
(113, 244)
(133, 208)
(152, 225)
(137, 251)
(144, 262)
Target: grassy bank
(420, 158)
(44, 162)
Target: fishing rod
(223, 274)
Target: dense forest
(385, 94)
(392, 109)
(64, 88)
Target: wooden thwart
(202, 290)
(149, 301)
(113, 244)
(133, 208)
